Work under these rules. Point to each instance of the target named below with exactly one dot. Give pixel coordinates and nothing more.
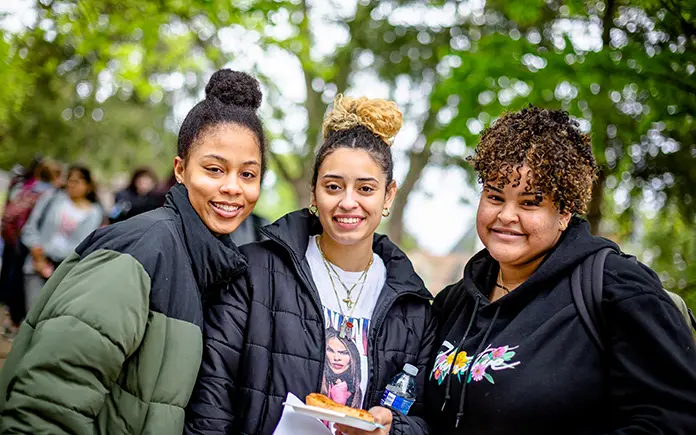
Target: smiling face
(223, 176)
(351, 194)
(337, 355)
(517, 228)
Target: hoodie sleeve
(652, 360)
(212, 408)
(414, 423)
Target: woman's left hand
(382, 416)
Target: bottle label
(395, 402)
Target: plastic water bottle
(401, 391)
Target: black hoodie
(265, 337)
(532, 367)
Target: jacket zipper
(377, 326)
(313, 291)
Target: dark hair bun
(234, 87)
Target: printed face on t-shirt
(337, 355)
(343, 379)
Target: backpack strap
(693, 319)
(587, 287)
(44, 213)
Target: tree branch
(282, 168)
(607, 22)
(417, 162)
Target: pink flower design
(437, 374)
(478, 371)
(499, 352)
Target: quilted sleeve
(71, 348)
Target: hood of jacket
(214, 259)
(469, 318)
(572, 248)
(294, 229)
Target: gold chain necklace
(500, 277)
(346, 325)
(349, 291)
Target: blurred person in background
(114, 342)
(137, 198)
(25, 190)
(60, 221)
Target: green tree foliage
(101, 81)
(97, 81)
(626, 71)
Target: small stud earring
(386, 212)
(313, 210)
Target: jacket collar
(214, 259)
(294, 229)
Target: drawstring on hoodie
(462, 398)
(466, 334)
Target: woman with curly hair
(514, 356)
(322, 270)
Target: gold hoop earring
(386, 212)
(313, 210)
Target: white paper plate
(333, 416)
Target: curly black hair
(231, 97)
(550, 143)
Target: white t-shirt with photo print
(346, 367)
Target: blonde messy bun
(381, 117)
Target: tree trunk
(395, 226)
(594, 212)
(302, 192)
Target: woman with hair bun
(113, 343)
(322, 271)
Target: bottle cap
(410, 369)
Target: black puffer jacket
(265, 336)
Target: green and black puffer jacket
(113, 344)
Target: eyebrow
(339, 177)
(215, 156)
(224, 160)
(488, 186)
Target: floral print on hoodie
(449, 359)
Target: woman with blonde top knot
(327, 305)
